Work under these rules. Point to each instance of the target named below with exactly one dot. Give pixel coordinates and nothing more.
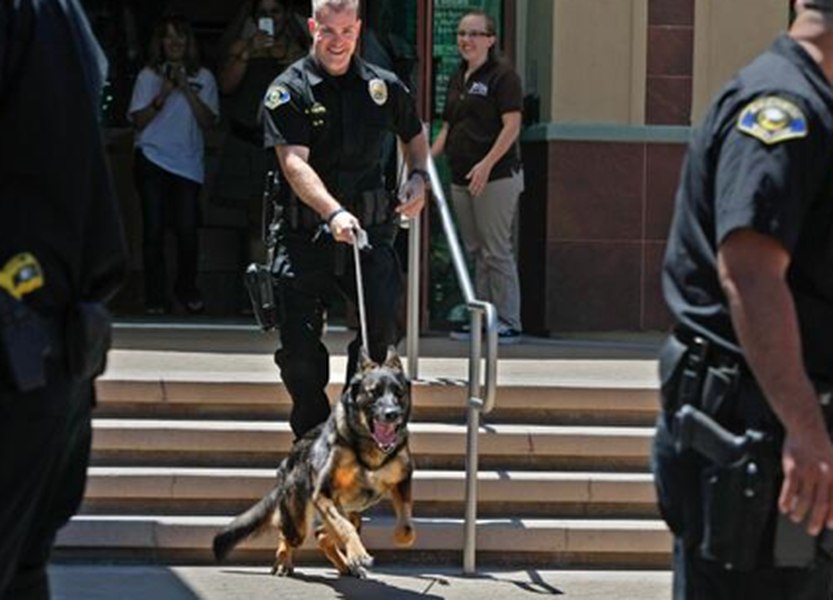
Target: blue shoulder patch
(275, 96)
(772, 120)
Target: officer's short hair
(822, 5)
(335, 5)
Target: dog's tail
(245, 525)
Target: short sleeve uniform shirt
(343, 120)
(762, 160)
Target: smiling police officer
(748, 275)
(62, 254)
(327, 116)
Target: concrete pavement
(101, 582)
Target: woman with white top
(174, 101)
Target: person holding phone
(261, 43)
(174, 101)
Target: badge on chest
(378, 91)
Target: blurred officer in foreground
(61, 255)
(742, 458)
(327, 116)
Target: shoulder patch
(773, 120)
(276, 95)
(378, 91)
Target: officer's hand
(478, 177)
(807, 460)
(412, 197)
(342, 227)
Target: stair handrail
(478, 309)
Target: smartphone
(266, 25)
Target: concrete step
(227, 386)
(614, 543)
(435, 445)
(125, 490)
(434, 400)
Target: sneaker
(507, 335)
(462, 333)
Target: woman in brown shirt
(481, 123)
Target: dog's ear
(392, 360)
(365, 364)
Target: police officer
(61, 254)
(327, 116)
(749, 277)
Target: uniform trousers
(45, 438)
(309, 274)
(486, 225)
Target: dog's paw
(358, 565)
(283, 570)
(405, 535)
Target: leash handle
(359, 242)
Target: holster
(258, 278)
(741, 439)
(266, 300)
(88, 338)
(25, 342)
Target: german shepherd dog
(340, 468)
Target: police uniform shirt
(343, 120)
(55, 184)
(474, 112)
(762, 159)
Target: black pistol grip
(697, 431)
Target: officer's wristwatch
(426, 178)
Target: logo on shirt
(378, 91)
(276, 95)
(772, 120)
(478, 88)
(316, 113)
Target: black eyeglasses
(472, 33)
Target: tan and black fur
(342, 467)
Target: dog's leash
(360, 243)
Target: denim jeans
(167, 200)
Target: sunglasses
(472, 33)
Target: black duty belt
(372, 208)
(713, 353)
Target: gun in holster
(259, 278)
(742, 527)
(82, 339)
(24, 345)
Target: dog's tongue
(384, 434)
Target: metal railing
(481, 397)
